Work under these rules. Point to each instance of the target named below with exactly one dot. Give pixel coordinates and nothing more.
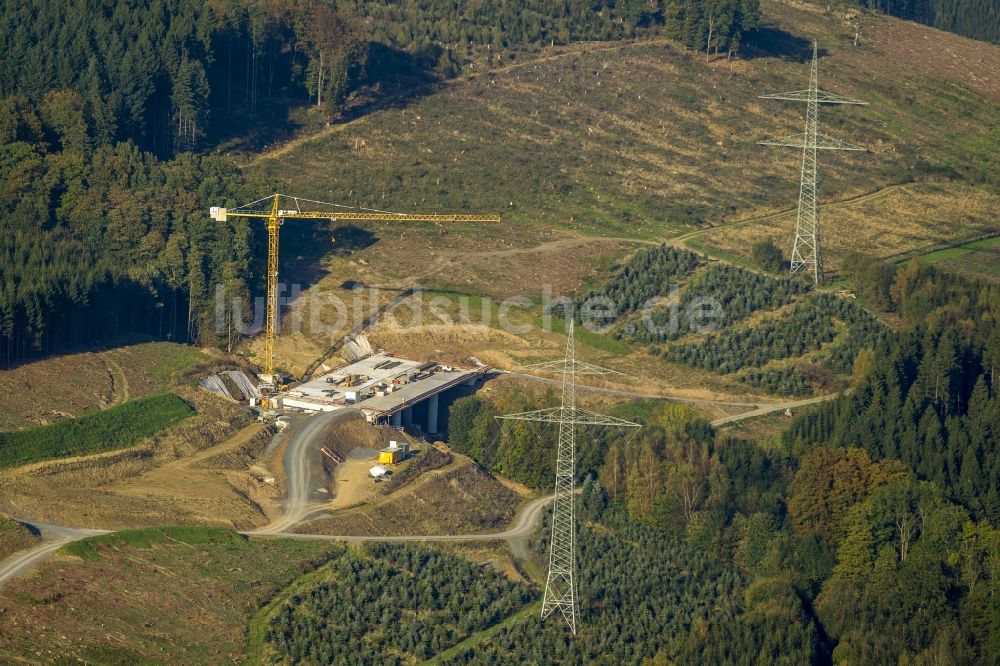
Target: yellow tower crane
(276, 216)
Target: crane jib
(222, 214)
(276, 215)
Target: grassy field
(952, 253)
(77, 383)
(600, 341)
(644, 139)
(590, 150)
(163, 595)
(979, 259)
(641, 411)
(897, 221)
(107, 430)
(764, 430)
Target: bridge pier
(432, 414)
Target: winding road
(524, 524)
(296, 461)
(297, 506)
(54, 537)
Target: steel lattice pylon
(560, 589)
(806, 249)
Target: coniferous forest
(389, 604)
(973, 18)
(103, 241)
(864, 535)
(107, 111)
(173, 75)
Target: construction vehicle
(275, 216)
(352, 380)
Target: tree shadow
(35, 532)
(246, 132)
(393, 79)
(350, 239)
(94, 346)
(390, 78)
(772, 42)
(305, 243)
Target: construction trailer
(394, 454)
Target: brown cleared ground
(171, 596)
(218, 481)
(459, 498)
(457, 267)
(439, 334)
(163, 480)
(584, 147)
(349, 482)
(50, 389)
(644, 139)
(439, 260)
(354, 485)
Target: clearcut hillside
(646, 139)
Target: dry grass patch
(623, 139)
(449, 343)
(14, 537)
(458, 499)
(126, 489)
(978, 264)
(49, 389)
(905, 219)
(169, 595)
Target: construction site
(546, 396)
(389, 390)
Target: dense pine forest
(929, 397)
(173, 75)
(388, 604)
(104, 107)
(865, 535)
(103, 241)
(979, 19)
(648, 597)
(661, 296)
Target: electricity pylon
(806, 249)
(560, 589)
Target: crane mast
(275, 216)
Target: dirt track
(298, 506)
